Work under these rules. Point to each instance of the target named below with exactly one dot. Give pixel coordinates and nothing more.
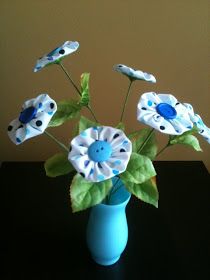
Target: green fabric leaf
(121, 126)
(146, 191)
(85, 194)
(139, 169)
(150, 148)
(75, 130)
(67, 109)
(186, 139)
(85, 97)
(58, 165)
(85, 123)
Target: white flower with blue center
(164, 113)
(56, 55)
(33, 120)
(133, 74)
(198, 122)
(100, 153)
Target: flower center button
(27, 115)
(99, 151)
(166, 111)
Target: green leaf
(85, 194)
(58, 165)
(68, 109)
(139, 170)
(85, 97)
(186, 139)
(121, 126)
(150, 148)
(75, 130)
(85, 123)
(146, 191)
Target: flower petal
(58, 53)
(19, 131)
(101, 165)
(134, 74)
(198, 122)
(148, 114)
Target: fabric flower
(198, 122)
(133, 74)
(33, 120)
(56, 55)
(164, 113)
(100, 153)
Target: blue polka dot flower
(56, 55)
(100, 153)
(33, 120)
(164, 113)
(198, 122)
(133, 74)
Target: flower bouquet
(107, 163)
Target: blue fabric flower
(133, 74)
(33, 120)
(100, 153)
(56, 55)
(164, 113)
(198, 122)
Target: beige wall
(166, 38)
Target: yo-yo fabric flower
(133, 74)
(56, 55)
(164, 113)
(33, 120)
(198, 122)
(100, 153)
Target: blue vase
(107, 229)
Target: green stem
(146, 140)
(57, 141)
(126, 100)
(77, 90)
(70, 79)
(166, 146)
(90, 109)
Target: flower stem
(77, 90)
(166, 146)
(56, 140)
(146, 140)
(70, 79)
(126, 100)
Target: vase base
(106, 262)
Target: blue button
(27, 115)
(99, 151)
(166, 111)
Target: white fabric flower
(198, 122)
(133, 74)
(164, 113)
(100, 153)
(56, 55)
(33, 120)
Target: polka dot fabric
(198, 122)
(33, 120)
(100, 153)
(164, 113)
(57, 54)
(133, 74)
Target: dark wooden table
(42, 239)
